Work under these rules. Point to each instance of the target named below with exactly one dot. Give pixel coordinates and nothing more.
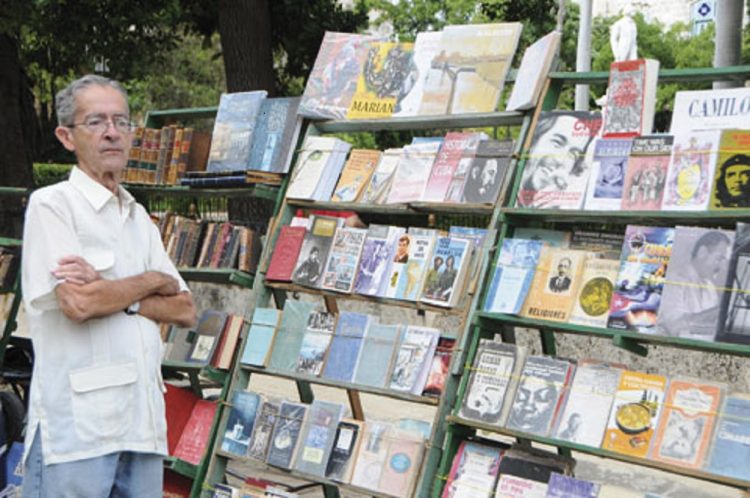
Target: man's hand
(75, 270)
(167, 286)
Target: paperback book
(474, 470)
(315, 342)
(370, 460)
(377, 354)
(285, 253)
(345, 447)
(412, 172)
(562, 486)
(439, 367)
(513, 275)
(487, 172)
(377, 255)
(275, 137)
(446, 164)
(691, 171)
(444, 280)
(314, 252)
(631, 98)
(691, 109)
(535, 65)
(402, 463)
(607, 180)
(646, 173)
(266, 420)
(731, 188)
(240, 422)
(355, 175)
(260, 337)
(379, 186)
(286, 345)
(341, 362)
(426, 47)
(316, 438)
(317, 170)
(408, 271)
(591, 305)
(286, 434)
(413, 357)
(730, 450)
(343, 259)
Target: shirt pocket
(103, 400)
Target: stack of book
(162, 156)
(213, 342)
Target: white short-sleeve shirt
(96, 386)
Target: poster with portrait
(731, 185)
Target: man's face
(533, 400)
(104, 152)
(314, 255)
(554, 155)
(710, 261)
(563, 267)
(488, 175)
(737, 178)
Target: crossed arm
(84, 294)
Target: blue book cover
(273, 135)
(607, 180)
(316, 440)
(260, 337)
(315, 343)
(286, 434)
(377, 256)
(560, 486)
(233, 131)
(513, 275)
(731, 448)
(288, 341)
(345, 347)
(376, 354)
(240, 422)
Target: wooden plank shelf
(181, 467)
(519, 216)
(417, 123)
(414, 208)
(218, 276)
(389, 393)
(675, 469)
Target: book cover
(340, 269)
(562, 486)
(387, 74)
(260, 337)
(315, 342)
(412, 172)
(693, 109)
(691, 171)
(646, 173)
(492, 381)
(487, 172)
(446, 164)
(232, 137)
(413, 357)
(535, 66)
(376, 355)
(180, 342)
(377, 189)
(591, 304)
(584, 418)
(468, 73)
(473, 470)
(553, 238)
(266, 420)
(375, 262)
(345, 346)
(426, 47)
(607, 179)
(606, 245)
(370, 460)
(224, 354)
(178, 404)
(510, 486)
(345, 446)
(285, 253)
(456, 187)
(539, 395)
(734, 319)
(443, 282)
(317, 436)
(314, 252)
(194, 439)
(730, 450)
(555, 172)
(409, 266)
(274, 138)
(684, 432)
(695, 279)
(317, 168)
(356, 175)
(439, 367)
(240, 422)
(286, 434)
(635, 411)
(333, 79)
(402, 463)
(288, 340)
(731, 183)
(555, 284)
(631, 98)
(643, 266)
(207, 335)
(512, 276)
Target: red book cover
(285, 253)
(446, 164)
(229, 337)
(631, 98)
(179, 404)
(194, 439)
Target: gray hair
(65, 101)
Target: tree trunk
(245, 29)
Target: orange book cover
(355, 175)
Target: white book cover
(426, 47)
(607, 178)
(710, 110)
(310, 168)
(535, 65)
(412, 172)
(413, 360)
(376, 191)
(408, 273)
(691, 171)
(373, 451)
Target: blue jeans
(117, 475)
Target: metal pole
(728, 37)
(583, 54)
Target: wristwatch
(133, 309)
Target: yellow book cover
(555, 284)
(387, 74)
(731, 186)
(591, 306)
(355, 175)
(635, 412)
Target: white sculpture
(623, 36)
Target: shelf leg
(630, 344)
(305, 392)
(356, 404)
(548, 342)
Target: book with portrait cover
(268, 416)
(513, 275)
(387, 71)
(232, 138)
(486, 172)
(607, 179)
(730, 449)
(402, 463)
(631, 98)
(240, 422)
(377, 189)
(532, 73)
(316, 437)
(731, 184)
(468, 73)
(370, 459)
(408, 274)
(275, 137)
(643, 266)
(426, 47)
(340, 268)
(589, 401)
(286, 434)
(734, 317)
(445, 278)
(591, 305)
(473, 471)
(333, 79)
(555, 284)
(646, 173)
(413, 358)
(345, 447)
(691, 171)
(412, 172)
(494, 375)
(377, 354)
(285, 253)
(540, 394)
(555, 170)
(696, 276)
(314, 252)
(355, 175)
(342, 357)
(635, 411)
(286, 344)
(446, 164)
(375, 263)
(315, 342)
(684, 432)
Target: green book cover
(376, 354)
(288, 340)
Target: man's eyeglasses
(101, 124)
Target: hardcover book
(513, 274)
(317, 437)
(691, 171)
(426, 47)
(487, 172)
(413, 357)
(412, 172)
(446, 164)
(473, 471)
(696, 276)
(731, 183)
(684, 432)
(377, 189)
(285, 253)
(591, 304)
(734, 318)
(444, 281)
(240, 422)
(340, 269)
(402, 463)
(286, 345)
(370, 460)
(631, 98)
(345, 346)
(555, 172)
(356, 175)
(315, 342)
(535, 66)
(260, 337)
(207, 336)
(266, 420)
(275, 137)
(345, 447)
(643, 266)
(377, 255)
(646, 173)
(730, 450)
(314, 253)
(693, 109)
(286, 434)
(635, 412)
(377, 354)
(607, 180)
(232, 137)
